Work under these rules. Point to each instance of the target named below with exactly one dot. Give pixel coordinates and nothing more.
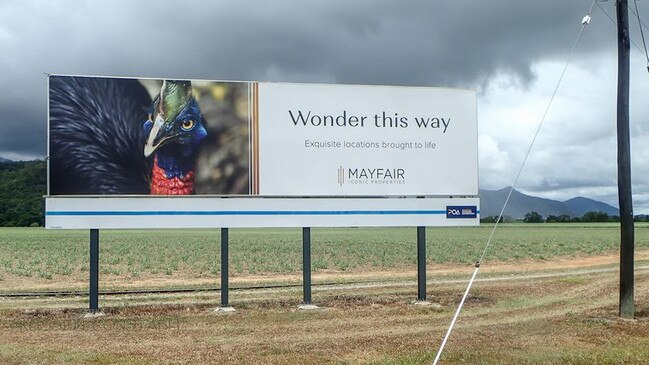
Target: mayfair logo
(370, 175)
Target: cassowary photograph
(159, 137)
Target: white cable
(518, 175)
(536, 133)
(457, 314)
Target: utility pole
(627, 308)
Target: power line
(637, 14)
(615, 23)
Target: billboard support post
(306, 265)
(224, 269)
(94, 272)
(421, 264)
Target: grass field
(547, 295)
(44, 257)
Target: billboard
(133, 138)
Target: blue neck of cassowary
(177, 160)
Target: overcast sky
(512, 52)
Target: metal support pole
(306, 264)
(626, 307)
(94, 271)
(224, 268)
(421, 264)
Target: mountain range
(4, 159)
(491, 202)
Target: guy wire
(513, 186)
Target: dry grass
(553, 320)
(541, 307)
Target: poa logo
(370, 175)
(461, 211)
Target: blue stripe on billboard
(247, 212)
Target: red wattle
(162, 185)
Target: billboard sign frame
(399, 190)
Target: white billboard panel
(350, 140)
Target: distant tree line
(22, 186)
(589, 217)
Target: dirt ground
(537, 312)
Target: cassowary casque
(175, 130)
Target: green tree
(22, 186)
(597, 216)
(491, 219)
(563, 218)
(533, 217)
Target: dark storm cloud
(438, 43)
(23, 130)
(413, 43)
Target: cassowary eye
(188, 124)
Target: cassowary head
(174, 131)
(176, 119)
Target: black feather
(96, 136)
